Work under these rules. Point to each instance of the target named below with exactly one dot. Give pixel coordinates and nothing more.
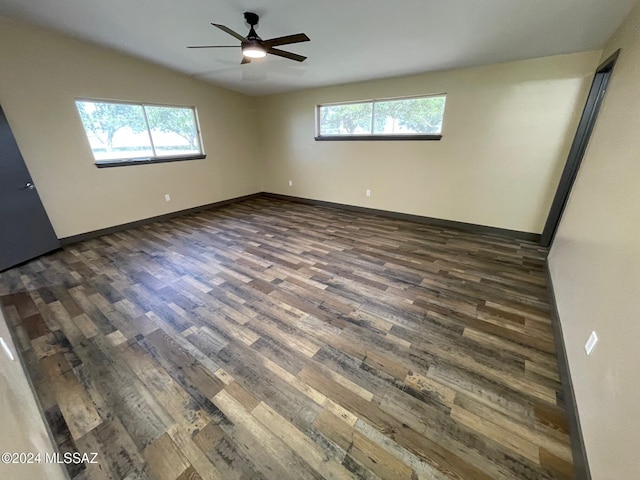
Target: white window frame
(376, 136)
(144, 159)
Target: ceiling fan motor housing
(251, 18)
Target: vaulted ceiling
(351, 40)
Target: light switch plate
(591, 343)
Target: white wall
(42, 73)
(507, 132)
(595, 267)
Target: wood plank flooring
(277, 340)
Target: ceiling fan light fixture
(253, 50)
(253, 46)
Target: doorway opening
(579, 146)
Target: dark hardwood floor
(277, 340)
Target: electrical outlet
(591, 343)
(167, 197)
(368, 192)
(291, 183)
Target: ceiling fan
(254, 47)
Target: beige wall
(42, 73)
(507, 131)
(595, 266)
(506, 134)
(21, 423)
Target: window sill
(332, 138)
(145, 161)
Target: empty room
(319, 240)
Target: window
(122, 133)
(415, 118)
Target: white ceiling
(351, 40)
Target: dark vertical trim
(578, 147)
(609, 63)
(578, 450)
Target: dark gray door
(25, 229)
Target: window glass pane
(409, 116)
(173, 130)
(349, 119)
(116, 131)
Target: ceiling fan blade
(286, 40)
(224, 28)
(213, 46)
(289, 55)
(245, 60)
